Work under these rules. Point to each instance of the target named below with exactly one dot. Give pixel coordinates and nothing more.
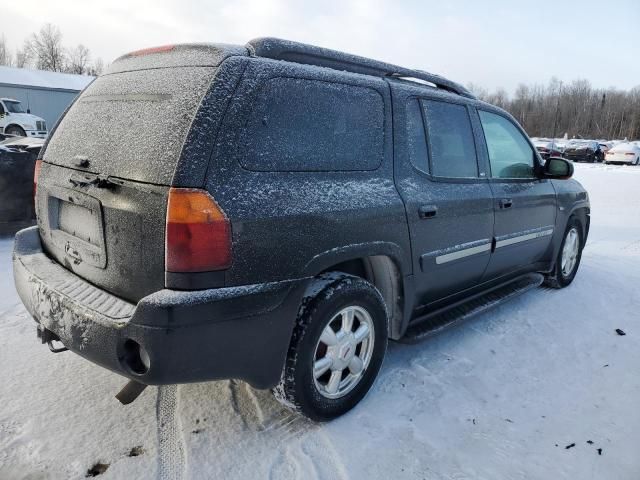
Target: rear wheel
(15, 130)
(568, 258)
(337, 347)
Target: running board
(445, 317)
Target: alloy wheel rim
(570, 252)
(343, 352)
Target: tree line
(44, 50)
(576, 109)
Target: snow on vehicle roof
(42, 79)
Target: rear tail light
(36, 173)
(198, 234)
(629, 153)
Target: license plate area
(76, 226)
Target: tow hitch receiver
(48, 337)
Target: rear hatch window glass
(132, 124)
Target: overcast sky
(492, 43)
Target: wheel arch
(384, 272)
(7, 127)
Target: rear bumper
(579, 157)
(189, 336)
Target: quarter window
(310, 125)
(510, 154)
(452, 148)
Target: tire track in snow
(171, 445)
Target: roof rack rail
(278, 49)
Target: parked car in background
(583, 151)
(547, 148)
(605, 146)
(15, 120)
(627, 152)
(24, 144)
(285, 220)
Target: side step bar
(435, 321)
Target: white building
(45, 94)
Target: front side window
(510, 155)
(452, 148)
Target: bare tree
(21, 59)
(5, 55)
(97, 67)
(577, 109)
(78, 60)
(44, 49)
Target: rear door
(107, 169)
(524, 204)
(448, 200)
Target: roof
(42, 79)
(287, 50)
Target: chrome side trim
(456, 252)
(507, 240)
(450, 257)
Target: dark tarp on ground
(16, 188)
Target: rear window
(132, 124)
(310, 125)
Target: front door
(524, 204)
(447, 197)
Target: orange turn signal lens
(198, 235)
(36, 174)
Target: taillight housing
(198, 233)
(36, 173)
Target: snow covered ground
(502, 396)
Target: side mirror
(28, 110)
(559, 168)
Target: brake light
(147, 51)
(198, 234)
(36, 173)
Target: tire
(325, 395)
(15, 130)
(561, 276)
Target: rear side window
(510, 154)
(453, 151)
(310, 125)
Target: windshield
(13, 106)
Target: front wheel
(337, 347)
(568, 258)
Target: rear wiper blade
(101, 181)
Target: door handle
(506, 203)
(427, 211)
